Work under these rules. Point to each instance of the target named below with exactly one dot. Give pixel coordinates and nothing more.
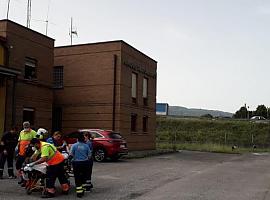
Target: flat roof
(28, 29)
(113, 41)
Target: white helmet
(41, 132)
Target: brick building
(26, 64)
(108, 85)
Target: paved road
(179, 176)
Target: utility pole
(28, 13)
(8, 8)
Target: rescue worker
(42, 134)
(26, 135)
(88, 140)
(55, 169)
(57, 141)
(7, 148)
(81, 154)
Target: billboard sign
(162, 108)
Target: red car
(106, 143)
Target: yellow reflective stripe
(79, 189)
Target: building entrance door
(2, 104)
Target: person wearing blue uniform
(57, 141)
(88, 184)
(81, 154)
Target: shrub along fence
(241, 133)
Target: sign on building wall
(162, 108)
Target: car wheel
(100, 155)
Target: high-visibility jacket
(48, 150)
(24, 140)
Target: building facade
(26, 64)
(108, 85)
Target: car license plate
(122, 146)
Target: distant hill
(195, 112)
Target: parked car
(257, 118)
(106, 143)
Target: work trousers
(9, 158)
(53, 172)
(80, 170)
(19, 162)
(88, 181)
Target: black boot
(48, 195)
(21, 181)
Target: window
(58, 74)
(114, 135)
(133, 122)
(134, 88)
(29, 115)
(2, 81)
(145, 123)
(96, 135)
(2, 55)
(145, 91)
(30, 69)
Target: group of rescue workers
(49, 150)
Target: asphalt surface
(178, 176)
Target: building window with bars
(145, 91)
(133, 122)
(58, 77)
(134, 88)
(30, 69)
(145, 123)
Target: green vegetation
(215, 135)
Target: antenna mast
(47, 18)
(72, 31)
(8, 8)
(28, 13)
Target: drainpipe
(114, 91)
(14, 101)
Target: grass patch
(206, 133)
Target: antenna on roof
(72, 31)
(28, 13)
(8, 8)
(47, 18)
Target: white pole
(71, 31)
(8, 8)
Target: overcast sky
(212, 54)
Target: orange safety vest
(56, 158)
(22, 147)
(24, 141)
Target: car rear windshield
(115, 135)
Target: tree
(261, 111)
(241, 113)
